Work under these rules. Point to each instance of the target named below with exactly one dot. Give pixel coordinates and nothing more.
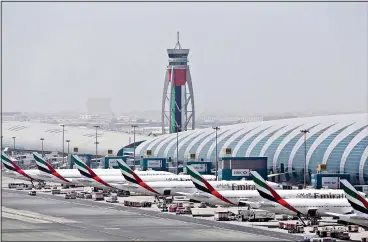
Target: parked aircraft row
(160, 182)
(311, 203)
(347, 204)
(113, 178)
(82, 175)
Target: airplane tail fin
(44, 166)
(199, 182)
(128, 173)
(264, 189)
(203, 185)
(356, 200)
(132, 177)
(41, 164)
(269, 193)
(10, 163)
(84, 170)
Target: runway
(47, 217)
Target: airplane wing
(334, 214)
(276, 174)
(185, 194)
(198, 195)
(256, 204)
(357, 219)
(350, 216)
(130, 185)
(118, 186)
(247, 202)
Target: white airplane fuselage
(117, 182)
(74, 173)
(14, 175)
(175, 187)
(304, 206)
(34, 174)
(253, 196)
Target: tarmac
(52, 218)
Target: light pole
(134, 126)
(96, 126)
(13, 144)
(216, 128)
(42, 139)
(2, 143)
(177, 150)
(63, 125)
(67, 141)
(305, 131)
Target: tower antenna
(177, 46)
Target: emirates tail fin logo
(10, 164)
(269, 193)
(132, 177)
(202, 184)
(44, 166)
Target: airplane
(242, 197)
(170, 188)
(18, 173)
(116, 182)
(312, 208)
(359, 204)
(47, 173)
(52, 174)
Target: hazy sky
(245, 57)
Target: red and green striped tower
(178, 113)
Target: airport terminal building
(339, 141)
(27, 136)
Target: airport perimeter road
(48, 217)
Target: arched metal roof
(340, 141)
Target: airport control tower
(177, 100)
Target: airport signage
(330, 182)
(200, 167)
(154, 163)
(113, 162)
(240, 172)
